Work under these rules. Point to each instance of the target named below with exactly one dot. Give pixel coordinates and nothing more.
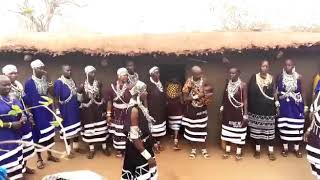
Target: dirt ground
(176, 166)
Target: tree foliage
(39, 17)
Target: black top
(93, 113)
(257, 102)
(143, 123)
(156, 103)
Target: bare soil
(176, 166)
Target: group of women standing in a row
(261, 106)
(268, 104)
(87, 111)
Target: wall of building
(216, 72)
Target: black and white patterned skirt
(234, 134)
(261, 127)
(96, 132)
(135, 166)
(195, 123)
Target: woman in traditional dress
(262, 110)
(43, 131)
(67, 105)
(234, 111)
(291, 108)
(95, 127)
(11, 156)
(156, 101)
(118, 98)
(174, 108)
(133, 77)
(197, 95)
(139, 162)
(312, 136)
(17, 92)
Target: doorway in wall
(169, 71)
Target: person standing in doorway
(118, 98)
(67, 106)
(174, 109)
(197, 95)
(92, 108)
(234, 111)
(262, 109)
(17, 92)
(291, 108)
(157, 106)
(43, 131)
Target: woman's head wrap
(36, 64)
(153, 69)
(89, 69)
(122, 71)
(138, 88)
(7, 69)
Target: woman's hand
(17, 125)
(31, 119)
(81, 89)
(306, 136)
(152, 162)
(245, 121)
(109, 120)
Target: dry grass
(178, 43)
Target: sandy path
(176, 166)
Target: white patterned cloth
(36, 64)
(7, 69)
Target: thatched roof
(176, 43)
